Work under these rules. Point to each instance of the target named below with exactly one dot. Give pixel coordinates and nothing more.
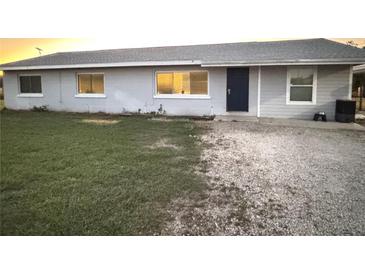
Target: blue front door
(237, 89)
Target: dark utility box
(345, 111)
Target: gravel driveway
(276, 180)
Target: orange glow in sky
(13, 49)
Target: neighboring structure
(292, 79)
(1, 87)
(358, 87)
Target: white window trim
(259, 92)
(314, 87)
(180, 96)
(89, 95)
(29, 95)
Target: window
(30, 84)
(301, 85)
(182, 83)
(91, 83)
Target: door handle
(229, 91)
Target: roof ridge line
(194, 45)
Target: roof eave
(193, 62)
(287, 63)
(105, 65)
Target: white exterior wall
(131, 89)
(333, 82)
(126, 89)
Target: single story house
(290, 79)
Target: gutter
(106, 65)
(348, 61)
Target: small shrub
(43, 108)
(161, 111)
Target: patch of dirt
(100, 121)
(275, 180)
(163, 143)
(161, 119)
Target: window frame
(180, 96)
(89, 95)
(314, 86)
(31, 94)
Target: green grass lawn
(84, 174)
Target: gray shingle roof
(294, 51)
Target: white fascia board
(287, 63)
(107, 65)
(193, 62)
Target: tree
(352, 43)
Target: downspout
(350, 83)
(60, 79)
(259, 92)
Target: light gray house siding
(332, 83)
(253, 92)
(133, 88)
(126, 90)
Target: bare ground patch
(100, 121)
(163, 143)
(161, 119)
(274, 180)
